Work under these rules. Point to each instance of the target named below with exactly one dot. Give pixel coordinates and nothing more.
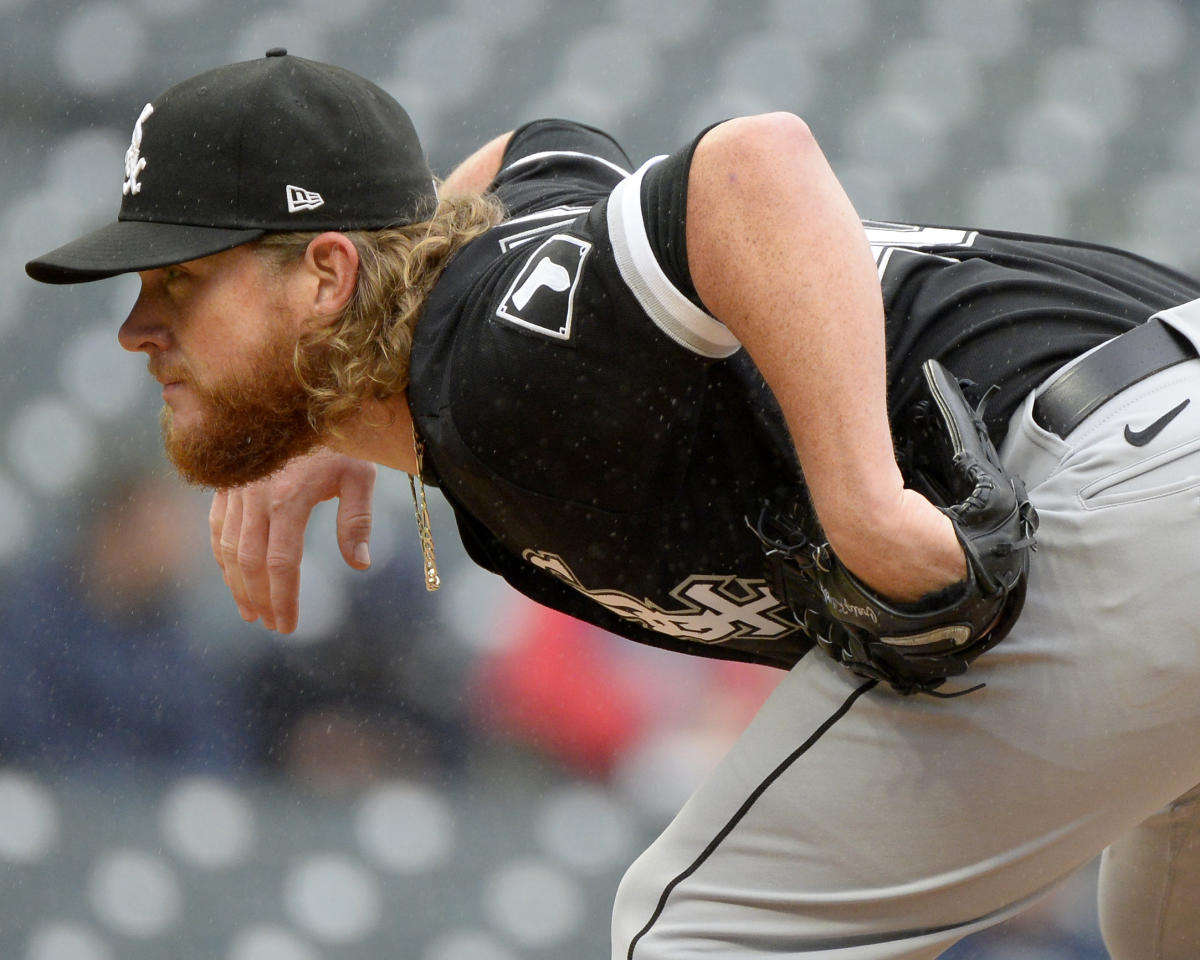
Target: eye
(174, 279)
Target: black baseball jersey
(607, 445)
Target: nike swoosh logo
(1139, 438)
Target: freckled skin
(778, 254)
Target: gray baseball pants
(854, 824)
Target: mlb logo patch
(542, 297)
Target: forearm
(778, 253)
(476, 172)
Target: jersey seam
(574, 154)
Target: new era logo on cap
(300, 199)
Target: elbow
(766, 142)
(768, 131)
(780, 127)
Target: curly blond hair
(364, 354)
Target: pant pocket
(1162, 475)
(1029, 450)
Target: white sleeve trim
(566, 153)
(671, 311)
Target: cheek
(235, 350)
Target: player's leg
(829, 832)
(856, 823)
(1150, 886)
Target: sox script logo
(135, 163)
(887, 239)
(714, 608)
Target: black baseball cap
(279, 143)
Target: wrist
(904, 551)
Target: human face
(220, 334)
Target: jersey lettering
(542, 223)
(713, 609)
(542, 297)
(886, 238)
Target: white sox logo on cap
(135, 163)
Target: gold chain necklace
(421, 509)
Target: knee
(1149, 886)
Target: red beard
(251, 426)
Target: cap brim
(131, 245)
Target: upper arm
(779, 255)
(475, 173)
(772, 237)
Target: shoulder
(552, 141)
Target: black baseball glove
(916, 647)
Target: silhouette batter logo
(542, 297)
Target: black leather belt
(1106, 371)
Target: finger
(216, 522)
(284, 551)
(354, 517)
(252, 554)
(230, 534)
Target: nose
(145, 329)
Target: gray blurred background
(457, 777)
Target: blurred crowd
(110, 671)
(107, 669)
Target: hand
(905, 552)
(258, 531)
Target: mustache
(165, 372)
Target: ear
(331, 266)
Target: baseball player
(639, 385)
